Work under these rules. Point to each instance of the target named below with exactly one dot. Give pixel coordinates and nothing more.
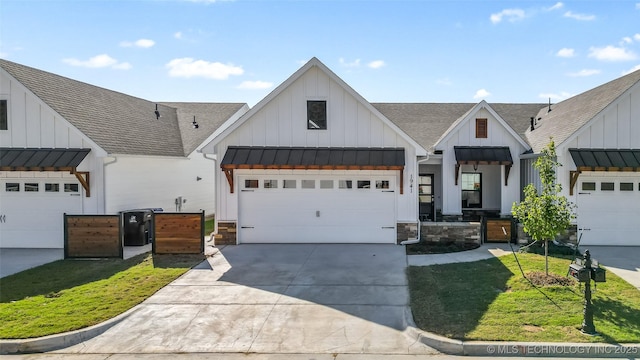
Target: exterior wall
(155, 182)
(227, 234)
(497, 195)
(282, 122)
(406, 231)
(465, 232)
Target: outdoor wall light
(194, 123)
(157, 112)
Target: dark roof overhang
(483, 155)
(34, 159)
(606, 159)
(310, 158)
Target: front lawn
(490, 300)
(72, 294)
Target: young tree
(544, 215)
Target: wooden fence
(178, 233)
(90, 236)
(494, 231)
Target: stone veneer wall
(569, 236)
(406, 231)
(463, 232)
(226, 234)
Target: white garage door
(32, 211)
(608, 210)
(317, 209)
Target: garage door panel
(316, 234)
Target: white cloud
(638, 6)
(444, 81)
(636, 37)
(611, 53)
(626, 40)
(481, 94)
(555, 97)
(99, 61)
(557, 6)
(584, 72)
(255, 85)
(143, 43)
(511, 15)
(353, 64)
(635, 68)
(178, 35)
(566, 53)
(376, 64)
(581, 17)
(188, 68)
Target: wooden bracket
(84, 179)
(457, 173)
(507, 170)
(573, 179)
(402, 181)
(229, 174)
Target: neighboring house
(70, 147)
(597, 137)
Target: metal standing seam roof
(483, 154)
(289, 157)
(592, 159)
(41, 158)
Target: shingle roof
(568, 116)
(119, 123)
(427, 122)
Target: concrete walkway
(275, 299)
(485, 251)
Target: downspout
(104, 181)
(417, 239)
(213, 158)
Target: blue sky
(388, 51)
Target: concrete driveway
(623, 261)
(275, 299)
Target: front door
(425, 197)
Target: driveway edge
(520, 349)
(59, 341)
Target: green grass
(209, 225)
(72, 294)
(490, 300)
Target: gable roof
(428, 122)
(119, 123)
(314, 62)
(568, 116)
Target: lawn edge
(62, 340)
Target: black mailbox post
(584, 270)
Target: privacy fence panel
(179, 233)
(92, 236)
(494, 231)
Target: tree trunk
(546, 257)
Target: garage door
(317, 209)
(608, 210)
(32, 211)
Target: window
(588, 186)
(289, 184)
(345, 184)
(31, 187)
(471, 190)
(4, 115)
(607, 186)
(326, 184)
(70, 187)
(364, 184)
(308, 184)
(316, 115)
(12, 187)
(51, 187)
(271, 184)
(382, 184)
(481, 128)
(251, 184)
(626, 186)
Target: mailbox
(579, 272)
(598, 274)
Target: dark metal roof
(483, 155)
(304, 157)
(17, 159)
(606, 159)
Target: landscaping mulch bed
(423, 248)
(539, 278)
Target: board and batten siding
(616, 127)
(34, 124)
(282, 122)
(494, 194)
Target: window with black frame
(471, 190)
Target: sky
(386, 50)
